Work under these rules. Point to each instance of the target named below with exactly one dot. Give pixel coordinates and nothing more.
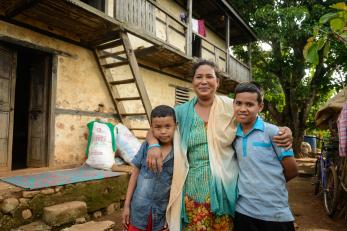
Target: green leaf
(325, 18)
(337, 24)
(321, 42)
(340, 6)
(312, 54)
(306, 48)
(326, 49)
(315, 30)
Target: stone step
(92, 226)
(57, 215)
(34, 226)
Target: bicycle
(326, 177)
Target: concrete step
(60, 214)
(92, 226)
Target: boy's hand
(284, 138)
(126, 217)
(154, 157)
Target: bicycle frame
(325, 163)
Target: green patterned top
(197, 183)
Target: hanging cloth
(201, 29)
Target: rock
(9, 204)
(47, 191)
(110, 209)
(1, 198)
(58, 188)
(26, 214)
(80, 220)
(64, 213)
(30, 194)
(35, 226)
(97, 214)
(117, 206)
(23, 201)
(92, 226)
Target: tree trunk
(297, 139)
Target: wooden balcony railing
(237, 70)
(153, 19)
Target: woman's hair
(250, 87)
(163, 111)
(201, 62)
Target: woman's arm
(154, 156)
(290, 168)
(284, 138)
(131, 188)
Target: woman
(203, 190)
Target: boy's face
(163, 128)
(246, 107)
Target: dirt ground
(307, 208)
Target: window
(196, 46)
(182, 95)
(100, 5)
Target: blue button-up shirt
(152, 191)
(261, 185)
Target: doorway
(29, 96)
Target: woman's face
(205, 82)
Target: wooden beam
(173, 65)
(42, 31)
(85, 113)
(240, 20)
(227, 38)
(115, 55)
(136, 73)
(250, 60)
(146, 51)
(34, 46)
(26, 5)
(189, 30)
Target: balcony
(169, 41)
(156, 20)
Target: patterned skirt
(202, 219)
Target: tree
(292, 86)
(323, 33)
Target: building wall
(80, 87)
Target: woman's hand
(284, 138)
(166, 227)
(154, 157)
(126, 217)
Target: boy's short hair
(250, 87)
(163, 111)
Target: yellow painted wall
(80, 87)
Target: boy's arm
(290, 168)
(284, 155)
(136, 163)
(131, 188)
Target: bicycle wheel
(318, 175)
(330, 191)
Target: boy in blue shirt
(265, 168)
(148, 192)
